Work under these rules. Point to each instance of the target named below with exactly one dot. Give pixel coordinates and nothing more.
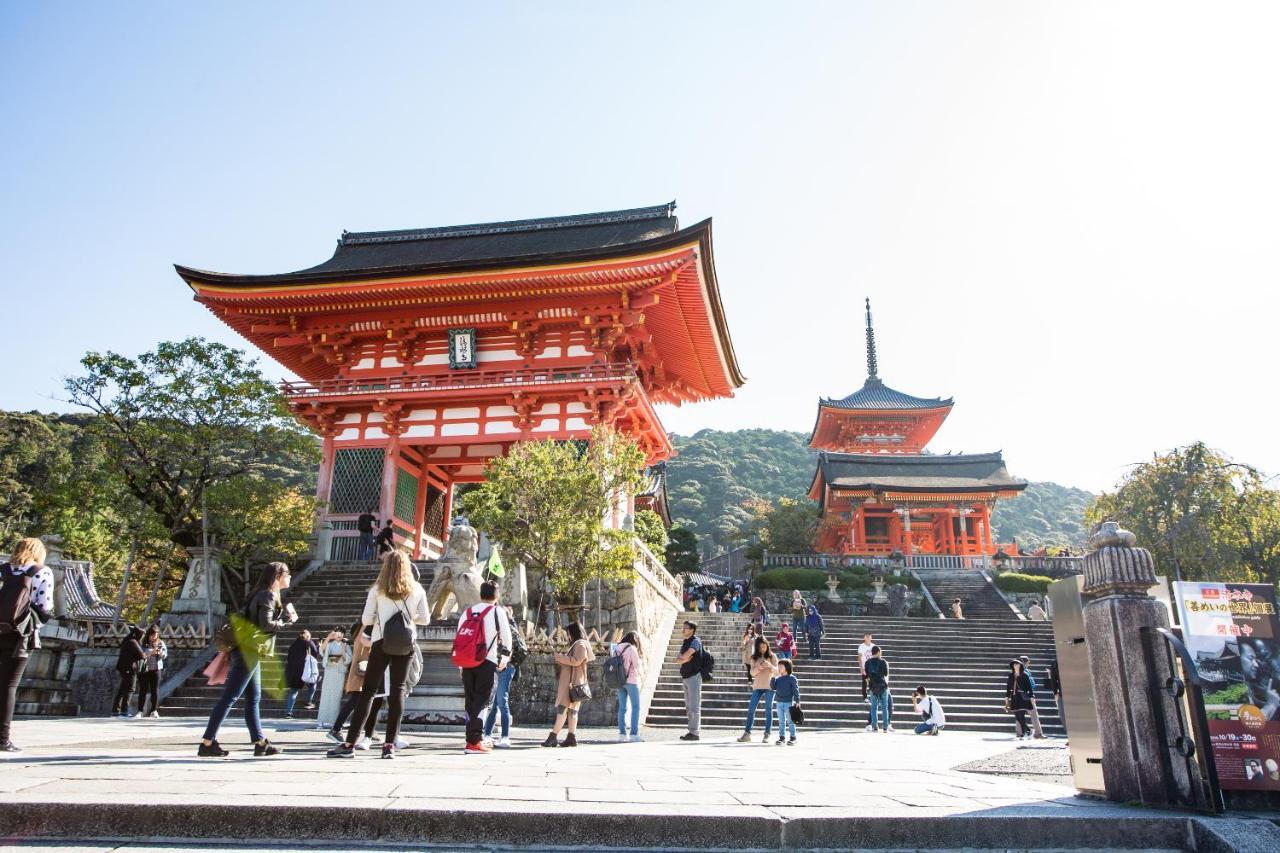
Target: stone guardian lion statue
(456, 585)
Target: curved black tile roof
(959, 472)
(876, 395)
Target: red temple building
(881, 491)
(424, 353)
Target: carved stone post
(1135, 768)
(193, 604)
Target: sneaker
(889, 728)
(622, 737)
(265, 749)
(311, 707)
(765, 739)
(388, 750)
(871, 728)
(746, 738)
(791, 742)
(933, 731)
(333, 736)
(212, 750)
(551, 740)
(288, 716)
(401, 743)
(342, 750)
(1039, 737)
(475, 749)
(9, 746)
(689, 736)
(780, 741)
(364, 742)
(503, 743)
(570, 740)
(154, 715)
(636, 739)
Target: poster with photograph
(1232, 632)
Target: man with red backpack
(26, 603)
(481, 649)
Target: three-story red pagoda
(880, 490)
(424, 353)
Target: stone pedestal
(1135, 763)
(196, 601)
(832, 583)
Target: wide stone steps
(978, 598)
(962, 663)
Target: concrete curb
(528, 825)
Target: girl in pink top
(629, 693)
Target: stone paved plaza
(119, 779)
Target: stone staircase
(979, 599)
(964, 664)
(332, 597)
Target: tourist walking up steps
(154, 651)
(263, 617)
(799, 609)
(481, 649)
(507, 676)
(864, 655)
(128, 665)
(1036, 728)
(786, 694)
(1018, 696)
(573, 689)
(629, 693)
(337, 659)
(395, 604)
(690, 661)
(764, 667)
(932, 718)
(365, 525)
(301, 672)
(26, 603)
(814, 630)
(878, 681)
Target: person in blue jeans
(263, 617)
(629, 694)
(763, 665)
(786, 693)
(501, 703)
(878, 681)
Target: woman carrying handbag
(573, 688)
(1018, 696)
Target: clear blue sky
(1065, 214)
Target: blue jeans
(291, 698)
(241, 679)
(756, 696)
(879, 702)
(500, 703)
(797, 627)
(784, 655)
(629, 694)
(364, 548)
(925, 728)
(784, 719)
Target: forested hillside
(716, 472)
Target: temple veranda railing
(1026, 565)
(471, 379)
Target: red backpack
(469, 646)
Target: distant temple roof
(364, 253)
(875, 394)
(959, 473)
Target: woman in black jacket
(255, 629)
(1018, 696)
(127, 664)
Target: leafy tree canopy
(653, 533)
(682, 550)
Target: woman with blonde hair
(395, 604)
(26, 603)
(256, 628)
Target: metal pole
(208, 580)
(124, 581)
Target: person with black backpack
(624, 672)
(395, 604)
(26, 603)
(128, 664)
(507, 676)
(878, 680)
(255, 630)
(693, 661)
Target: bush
(1016, 582)
(807, 579)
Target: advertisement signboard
(1233, 632)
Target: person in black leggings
(127, 664)
(154, 652)
(26, 566)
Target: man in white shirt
(478, 681)
(864, 655)
(930, 710)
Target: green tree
(653, 533)
(785, 526)
(1202, 515)
(682, 550)
(546, 502)
(184, 417)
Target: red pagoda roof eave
(873, 413)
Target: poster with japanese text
(1232, 632)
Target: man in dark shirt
(365, 524)
(386, 540)
(690, 661)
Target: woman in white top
(395, 592)
(26, 566)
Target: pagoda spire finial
(873, 374)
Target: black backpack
(707, 665)
(519, 648)
(398, 637)
(15, 602)
(615, 672)
(875, 677)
